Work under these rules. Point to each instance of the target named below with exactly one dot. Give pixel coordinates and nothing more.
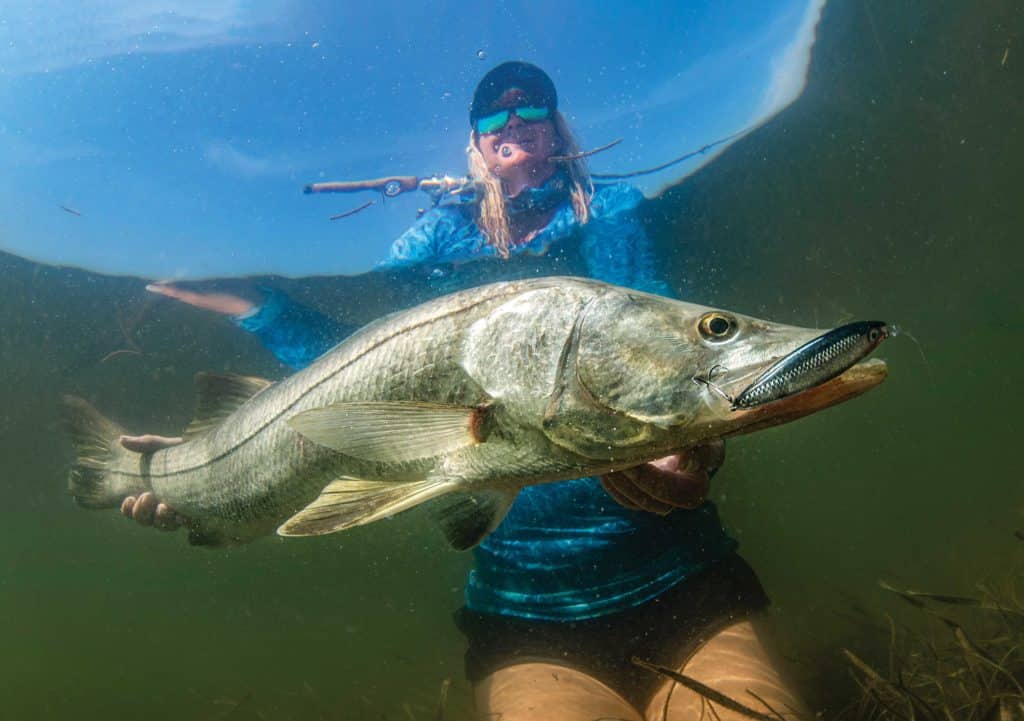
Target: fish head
(675, 367)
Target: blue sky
(184, 130)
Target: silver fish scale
(579, 378)
(253, 471)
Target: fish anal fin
(218, 396)
(350, 502)
(470, 517)
(394, 431)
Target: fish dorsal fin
(350, 502)
(471, 516)
(220, 395)
(393, 431)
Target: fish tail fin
(97, 449)
(351, 502)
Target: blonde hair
(492, 213)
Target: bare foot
(146, 510)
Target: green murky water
(892, 189)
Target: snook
(471, 396)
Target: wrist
(261, 314)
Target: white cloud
(790, 65)
(19, 152)
(229, 159)
(51, 35)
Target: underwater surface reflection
(890, 189)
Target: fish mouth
(854, 381)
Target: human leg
(542, 691)
(735, 663)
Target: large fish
(469, 397)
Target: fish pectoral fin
(471, 516)
(393, 431)
(218, 396)
(350, 502)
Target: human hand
(148, 443)
(234, 297)
(677, 481)
(146, 510)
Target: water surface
(890, 190)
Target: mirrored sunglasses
(496, 121)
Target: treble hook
(709, 383)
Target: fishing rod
(439, 187)
(394, 185)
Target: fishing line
(895, 330)
(668, 164)
(584, 154)
(347, 213)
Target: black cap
(534, 82)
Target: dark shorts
(667, 630)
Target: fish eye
(873, 334)
(716, 327)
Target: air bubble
(481, 55)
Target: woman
(581, 575)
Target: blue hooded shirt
(566, 551)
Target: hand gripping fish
(467, 398)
